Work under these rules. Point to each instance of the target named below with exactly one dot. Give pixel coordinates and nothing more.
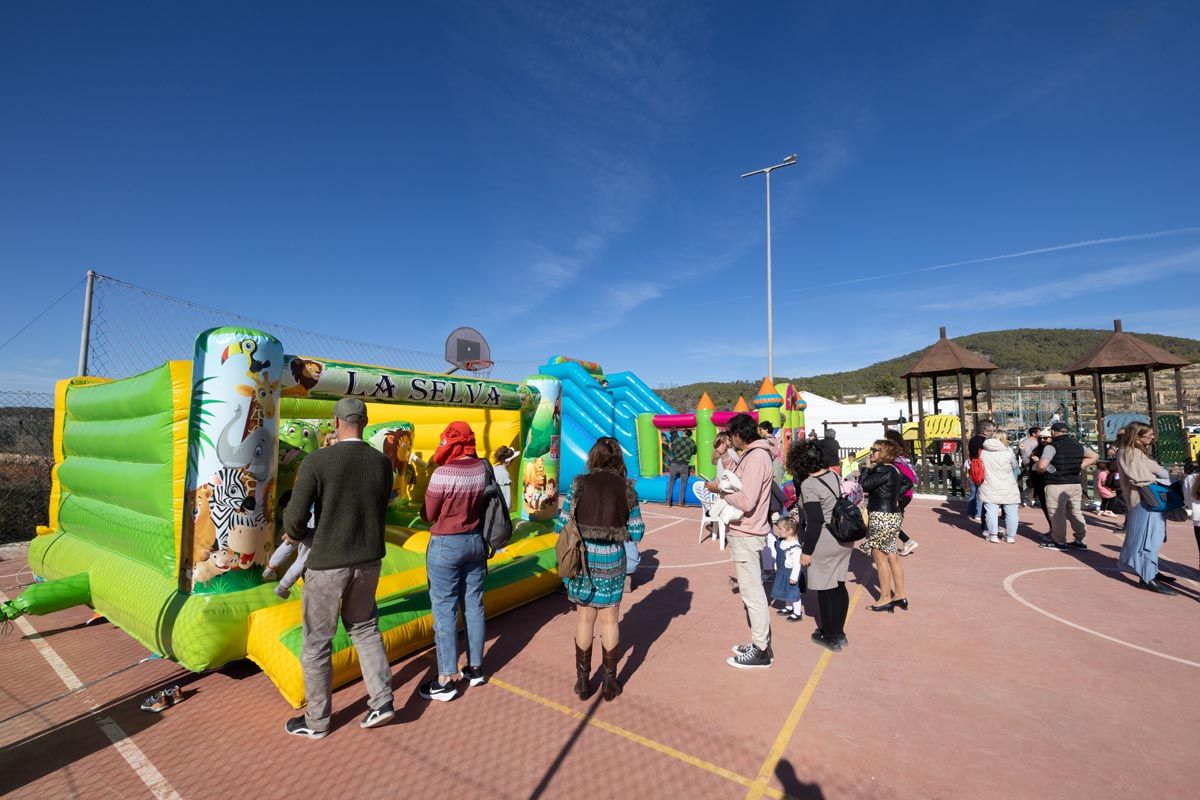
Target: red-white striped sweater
(454, 495)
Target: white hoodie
(999, 483)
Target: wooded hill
(1032, 352)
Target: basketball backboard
(466, 349)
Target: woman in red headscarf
(455, 560)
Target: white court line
(686, 566)
(132, 754)
(669, 524)
(1008, 582)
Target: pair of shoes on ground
(434, 689)
(610, 686)
(749, 656)
(298, 726)
(835, 644)
(1050, 544)
(791, 613)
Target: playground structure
(620, 405)
(168, 487)
(593, 403)
(165, 500)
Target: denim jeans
(1011, 519)
(681, 472)
(456, 565)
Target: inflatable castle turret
(768, 403)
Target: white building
(842, 417)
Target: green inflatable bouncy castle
(167, 489)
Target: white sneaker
(909, 546)
(994, 539)
(1011, 540)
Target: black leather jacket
(885, 487)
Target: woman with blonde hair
(885, 486)
(1145, 530)
(605, 507)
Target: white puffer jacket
(999, 483)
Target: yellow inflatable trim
(265, 644)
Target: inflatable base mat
(522, 572)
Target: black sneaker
(753, 658)
(819, 638)
(377, 716)
(1052, 546)
(841, 639)
(738, 649)
(432, 690)
(474, 675)
(1080, 545)
(297, 726)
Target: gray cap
(351, 409)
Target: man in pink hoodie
(748, 536)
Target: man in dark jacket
(1063, 462)
(349, 485)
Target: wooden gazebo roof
(947, 358)
(1124, 352)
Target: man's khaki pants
(746, 554)
(1064, 503)
(349, 594)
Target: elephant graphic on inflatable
(255, 453)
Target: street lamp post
(787, 162)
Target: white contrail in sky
(1052, 249)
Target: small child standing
(788, 584)
(504, 456)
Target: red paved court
(971, 694)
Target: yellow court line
(666, 750)
(760, 786)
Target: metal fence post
(85, 334)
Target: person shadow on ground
(646, 570)
(647, 620)
(793, 786)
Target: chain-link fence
(26, 456)
(135, 329)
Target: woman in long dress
(1145, 530)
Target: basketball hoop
(466, 349)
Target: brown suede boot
(583, 672)
(610, 659)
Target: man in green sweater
(349, 485)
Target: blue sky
(564, 176)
